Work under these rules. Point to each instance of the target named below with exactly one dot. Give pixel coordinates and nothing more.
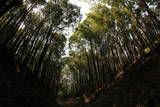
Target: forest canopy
(115, 35)
(36, 36)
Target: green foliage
(108, 41)
(37, 40)
(114, 35)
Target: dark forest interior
(51, 57)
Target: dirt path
(67, 101)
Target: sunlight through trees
(115, 35)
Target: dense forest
(112, 57)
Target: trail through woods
(139, 87)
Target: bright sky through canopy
(85, 7)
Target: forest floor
(17, 93)
(138, 87)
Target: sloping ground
(17, 93)
(140, 87)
